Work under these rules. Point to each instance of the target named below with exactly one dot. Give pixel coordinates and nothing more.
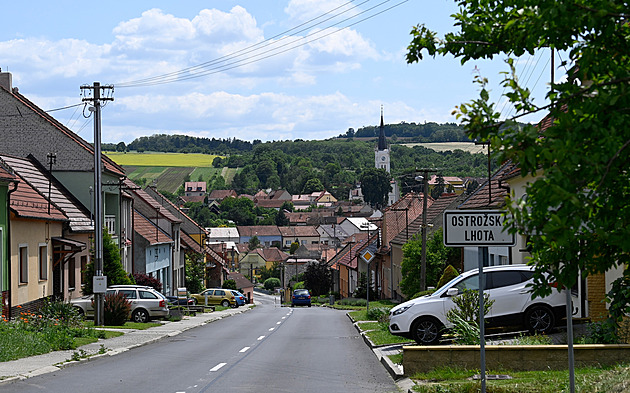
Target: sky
(245, 69)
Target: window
(83, 267)
(72, 273)
(147, 295)
(128, 293)
(507, 278)
(43, 262)
(219, 293)
(23, 261)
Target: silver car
(146, 302)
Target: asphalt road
(268, 349)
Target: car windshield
(301, 292)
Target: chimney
(6, 80)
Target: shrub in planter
(117, 309)
(143, 279)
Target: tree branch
(611, 161)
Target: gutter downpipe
(9, 300)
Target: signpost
(481, 228)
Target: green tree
(576, 210)
(195, 272)
(312, 185)
(318, 278)
(437, 256)
(282, 219)
(376, 186)
(112, 266)
(254, 242)
(271, 283)
(229, 284)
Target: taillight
(309, 296)
(162, 303)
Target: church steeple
(382, 142)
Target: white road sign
(476, 228)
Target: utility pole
(99, 280)
(423, 264)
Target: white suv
(424, 319)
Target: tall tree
(112, 266)
(576, 211)
(376, 186)
(318, 278)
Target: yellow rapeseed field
(161, 159)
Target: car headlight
(401, 310)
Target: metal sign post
(481, 228)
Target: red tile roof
(145, 228)
(490, 195)
(26, 202)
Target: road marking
(271, 330)
(278, 323)
(217, 367)
(284, 317)
(260, 338)
(244, 349)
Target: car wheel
(80, 311)
(539, 319)
(225, 303)
(194, 302)
(426, 331)
(140, 316)
(309, 304)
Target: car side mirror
(452, 292)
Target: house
(331, 234)
(219, 195)
(71, 251)
(29, 130)
(268, 235)
(346, 264)
(319, 216)
(243, 285)
(282, 195)
(222, 235)
(451, 184)
(251, 263)
(322, 199)
(195, 188)
(33, 224)
(301, 202)
(8, 184)
(434, 219)
(269, 203)
(148, 208)
(352, 225)
(301, 234)
(153, 251)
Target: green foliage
(437, 257)
(606, 332)
(145, 279)
(117, 309)
(378, 313)
(229, 284)
(449, 273)
(253, 242)
(112, 266)
(293, 248)
(362, 285)
(312, 185)
(536, 339)
(271, 283)
(464, 332)
(318, 278)
(576, 206)
(422, 293)
(375, 186)
(62, 312)
(350, 301)
(195, 272)
(467, 307)
(274, 271)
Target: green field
(445, 146)
(161, 159)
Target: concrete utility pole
(99, 280)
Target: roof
(194, 198)
(219, 232)
(222, 194)
(333, 231)
(142, 195)
(39, 178)
(362, 223)
(190, 243)
(299, 231)
(21, 123)
(489, 195)
(241, 280)
(6, 175)
(258, 230)
(269, 203)
(195, 186)
(148, 230)
(273, 254)
(397, 216)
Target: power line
(212, 67)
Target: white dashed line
(217, 367)
(278, 323)
(260, 338)
(271, 330)
(284, 317)
(244, 349)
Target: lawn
(161, 159)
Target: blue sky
(310, 82)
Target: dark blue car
(301, 297)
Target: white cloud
(305, 10)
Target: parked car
(146, 302)
(224, 297)
(301, 297)
(424, 319)
(240, 298)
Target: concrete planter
(511, 357)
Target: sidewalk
(41, 364)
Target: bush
(61, 311)
(229, 284)
(423, 293)
(271, 283)
(144, 279)
(117, 309)
(449, 273)
(350, 301)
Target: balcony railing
(110, 224)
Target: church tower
(381, 152)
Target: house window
(71, 273)
(23, 264)
(43, 262)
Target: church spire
(382, 142)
